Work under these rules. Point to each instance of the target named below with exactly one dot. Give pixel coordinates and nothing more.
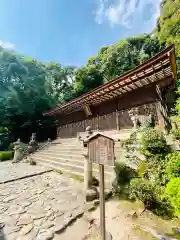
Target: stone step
(77, 145)
(62, 165)
(108, 177)
(69, 153)
(73, 164)
(59, 154)
(61, 160)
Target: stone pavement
(10, 171)
(38, 207)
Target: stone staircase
(65, 155)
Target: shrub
(144, 191)
(142, 169)
(173, 165)
(129, 143)
(163, 206)
(10, 147)
(155, 170)
(123, 176)
(173, 194)
(176, 134)
(6, 155)
(153, 143)
(149, 123)
(124, 173)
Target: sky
(71, 31)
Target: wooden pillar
(117, 120)
(162, 111)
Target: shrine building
(147, 90)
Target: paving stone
(34, 232)
(47, 225)
(59, 213)
(10, 198)
(26, 229)
(38, 216)
(11, 229)
(30, 210)
(26, 204)
(8, 220)
(51, 218)
(46, 235)
(49, 213)
(24, 220)
(38, 222)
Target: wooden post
(162, 111)
(117, 120)
(102, 203)
(101, 152)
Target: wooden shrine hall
(145, 91)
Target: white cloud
(6, 44)
(100, 11)
(127, 12)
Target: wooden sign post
(101, 151)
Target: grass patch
(173, 235)
(59, 171)
(143, 234)
(131, 205)
(77, 177)
(6, 155)
(71, 175)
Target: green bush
(149, 123)
(173, 165)
(163, 206)
(124, 173)
(173, 194)
(153, 143)
(6, 155)
(144, 191)
(123, 176)
(142, 169)
(176, 134)
(10, 147)
(129, 143)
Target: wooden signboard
(101, 151)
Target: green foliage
(150, 123)
(123, 176)
(8, 155)
(153, 142)
(28, 89)
(173, 165)
(10, 147)
(142, 169)
(144, 191)
(87, 78)
(124, 173)
(163, 206)
(173, 194)
(168, 26)
(129, 143)
(152, 196)
(4, 138)
(176, 134)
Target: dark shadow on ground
(2, 235)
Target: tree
(86, 79)
(168, 26)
